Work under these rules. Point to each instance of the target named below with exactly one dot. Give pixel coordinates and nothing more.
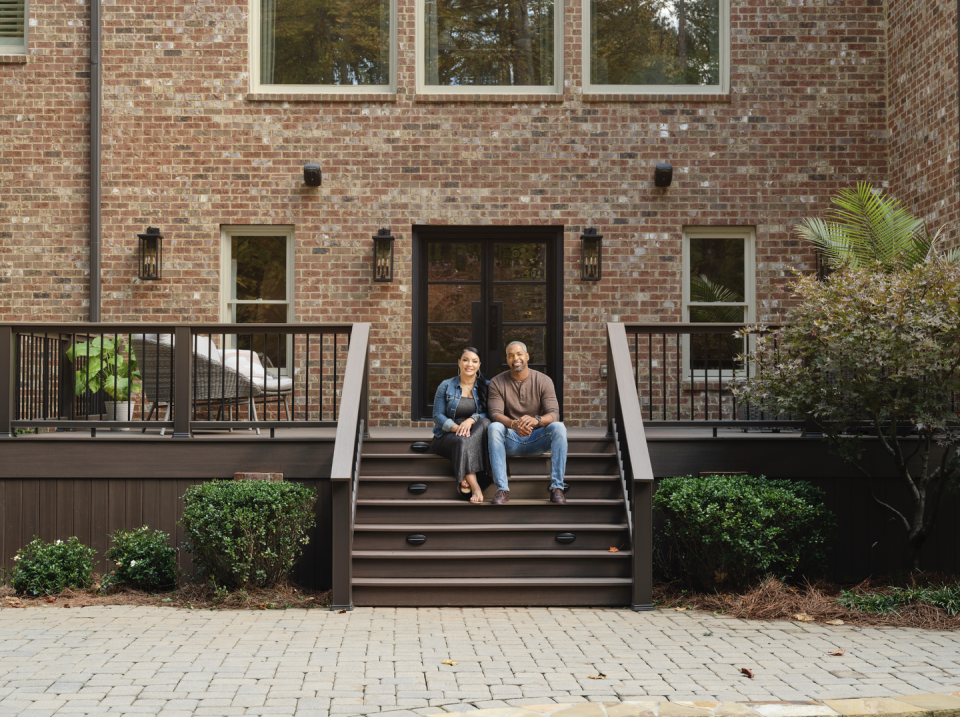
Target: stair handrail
(352, 425)
(625, 425)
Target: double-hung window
(489, 46)
(656, 46)
(13, 27)
(322, 46)
(257, 288)
(719, 286)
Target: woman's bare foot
(464, 486)
(471, 480)
(477, 496)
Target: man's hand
(524, 426)
(464, 428)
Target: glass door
(483, 287)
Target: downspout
(95, 106)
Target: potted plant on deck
(107, 368)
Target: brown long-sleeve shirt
(534, 397)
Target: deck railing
(625, 425)
(197, 376)
(684, 373)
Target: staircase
(416, 544)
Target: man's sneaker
(501, 497)
(556, 496)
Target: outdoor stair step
(424, 464)
(528, 564)
(513, 501)
(433, 456)
(521, 487)
(584, 510)
(490, 527)
(455, 538)
(523, 477)
(556, 591)
(488, 554)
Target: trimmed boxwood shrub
(143, 558)
(247, 533)
(41, 568)
(732, 530)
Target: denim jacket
(445, 406)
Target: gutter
(95, 167)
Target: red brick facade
(186, 148)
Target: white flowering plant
(143, 558)
(42, 568)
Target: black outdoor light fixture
(383, 256)
(312, 176)
(663, 174)
(150, 254)
(591, 247)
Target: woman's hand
(464, 428)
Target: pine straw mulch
(193, 596)
(813, 603)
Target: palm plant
(868, 228)
(702, 290)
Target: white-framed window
(489, 46)
(323, 46)
(257, 287)
(719, 286)
(14, 23)
(656, 47)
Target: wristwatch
(539, 421)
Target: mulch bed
(811, 603)
(191, 596)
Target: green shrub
(733, 530)
(42, 568)
(247, 532)
(143, 559)
(944, 596)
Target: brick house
(208, 120)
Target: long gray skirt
(468, 455)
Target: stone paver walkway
(143, 660)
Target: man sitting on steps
(522, 405)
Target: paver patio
(143, 660)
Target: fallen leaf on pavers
(341, 611)
(836, 653)
(748, 673)
(611, 549)
(50, 599)
(449, 662)
(86, 604)
(803, 617)
(834, 622)
(600, 676)
(679, 609)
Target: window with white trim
(257, 287)
(489, 46)
(719, 286)
(656, 46)
(318, 46)
(13, 27)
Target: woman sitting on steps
(460, 430)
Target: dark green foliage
(945, 596)
(143, 559)
(247, 533)
(732, 530)
(42, 568)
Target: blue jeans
(503, 442)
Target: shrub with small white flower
(143, 558)
(42, 568)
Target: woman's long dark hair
(481, 379)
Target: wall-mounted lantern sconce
(150, 254)
(312, 176)
(663, 174)
(383, 256)
(591, 247)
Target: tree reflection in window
(325, 42)
(489, 42)
(655, 42)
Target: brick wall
(924, 124)
(186, 149)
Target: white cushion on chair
(254, 371)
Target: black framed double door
(484, 287)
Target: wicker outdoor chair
(213, 381)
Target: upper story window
(657, 46)
(489, 46)
(316, 46)
(13, 27)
